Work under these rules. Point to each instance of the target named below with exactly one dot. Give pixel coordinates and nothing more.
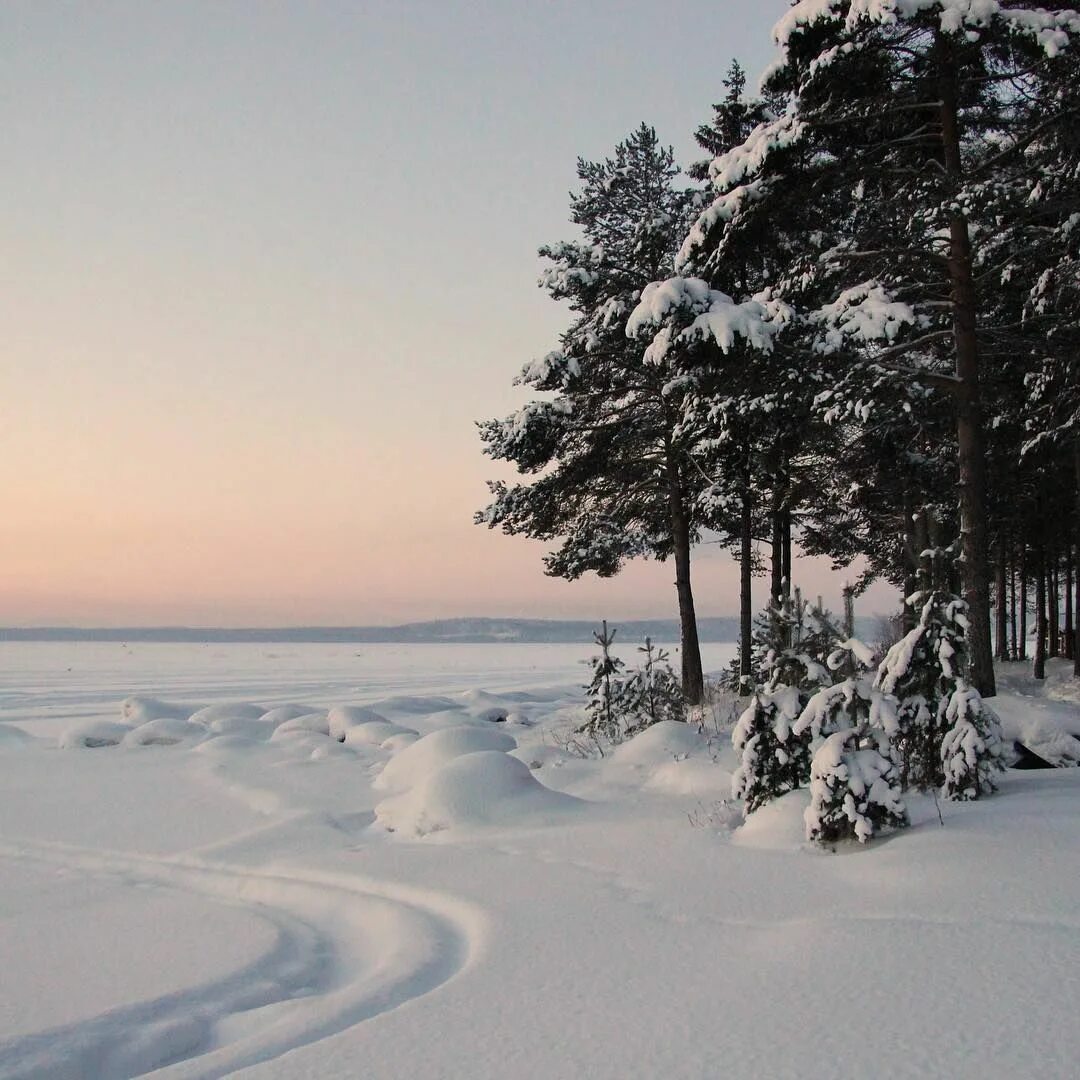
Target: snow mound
(484, 788)
(93, 734)
(418, 761)
(138, 710)
(417, 705)
(398, 742)
(343, 717)
(779, 825)
(374, 733)
(663, 742)
(314, 723)
(11, 737)
(165, 731)
(240, 718)
(697, 776)
(282, 714)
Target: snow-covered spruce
(854, 781)
(923, 670)
(773, 761)
(971, 751)
(854, 788)
(773, 758)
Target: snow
(240, 905)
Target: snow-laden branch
(682, 310)
(862, 314)
(1050, 29)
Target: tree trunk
(969, 426)
(776, 577)
(746, 608)
(693, 681)
(1076, 604)
(1013, 654)
(1039, 669)
(910, 555)
(1022, 651)
(1053, 611)
(1067, 639)
(1002, 635)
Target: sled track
(346, 949)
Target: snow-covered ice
(300, 861)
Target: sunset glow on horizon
(268, 263)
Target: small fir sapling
(603, 695)
(854, 782)
(971, 751)
(773, 758)
(653, 692)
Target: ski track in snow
(347, 948)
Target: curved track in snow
(346, 949)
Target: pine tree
(610, 461)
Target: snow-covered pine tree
(854, 781)
(611, 476)
(651, 692)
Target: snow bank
(484, 788)
(93, 734)
(779, 825)
(425, 756)
(661, 743)
(11, 737)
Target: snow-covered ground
(204, 880)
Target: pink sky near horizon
(267, 264)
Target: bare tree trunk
(1076, 605)
(1002, 636)
(1013, 655)
(746, 609)
(969, 425)
(1022, 651)
(1053, 609)
(693, 680)
(911, 563)
(776, 577)
(1039, 669)
(1068, 639)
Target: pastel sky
(264, 264)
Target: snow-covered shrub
(971, 751)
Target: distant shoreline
(467, 631)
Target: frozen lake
(48, 685)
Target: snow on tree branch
(707, 313)
(1051, 30)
